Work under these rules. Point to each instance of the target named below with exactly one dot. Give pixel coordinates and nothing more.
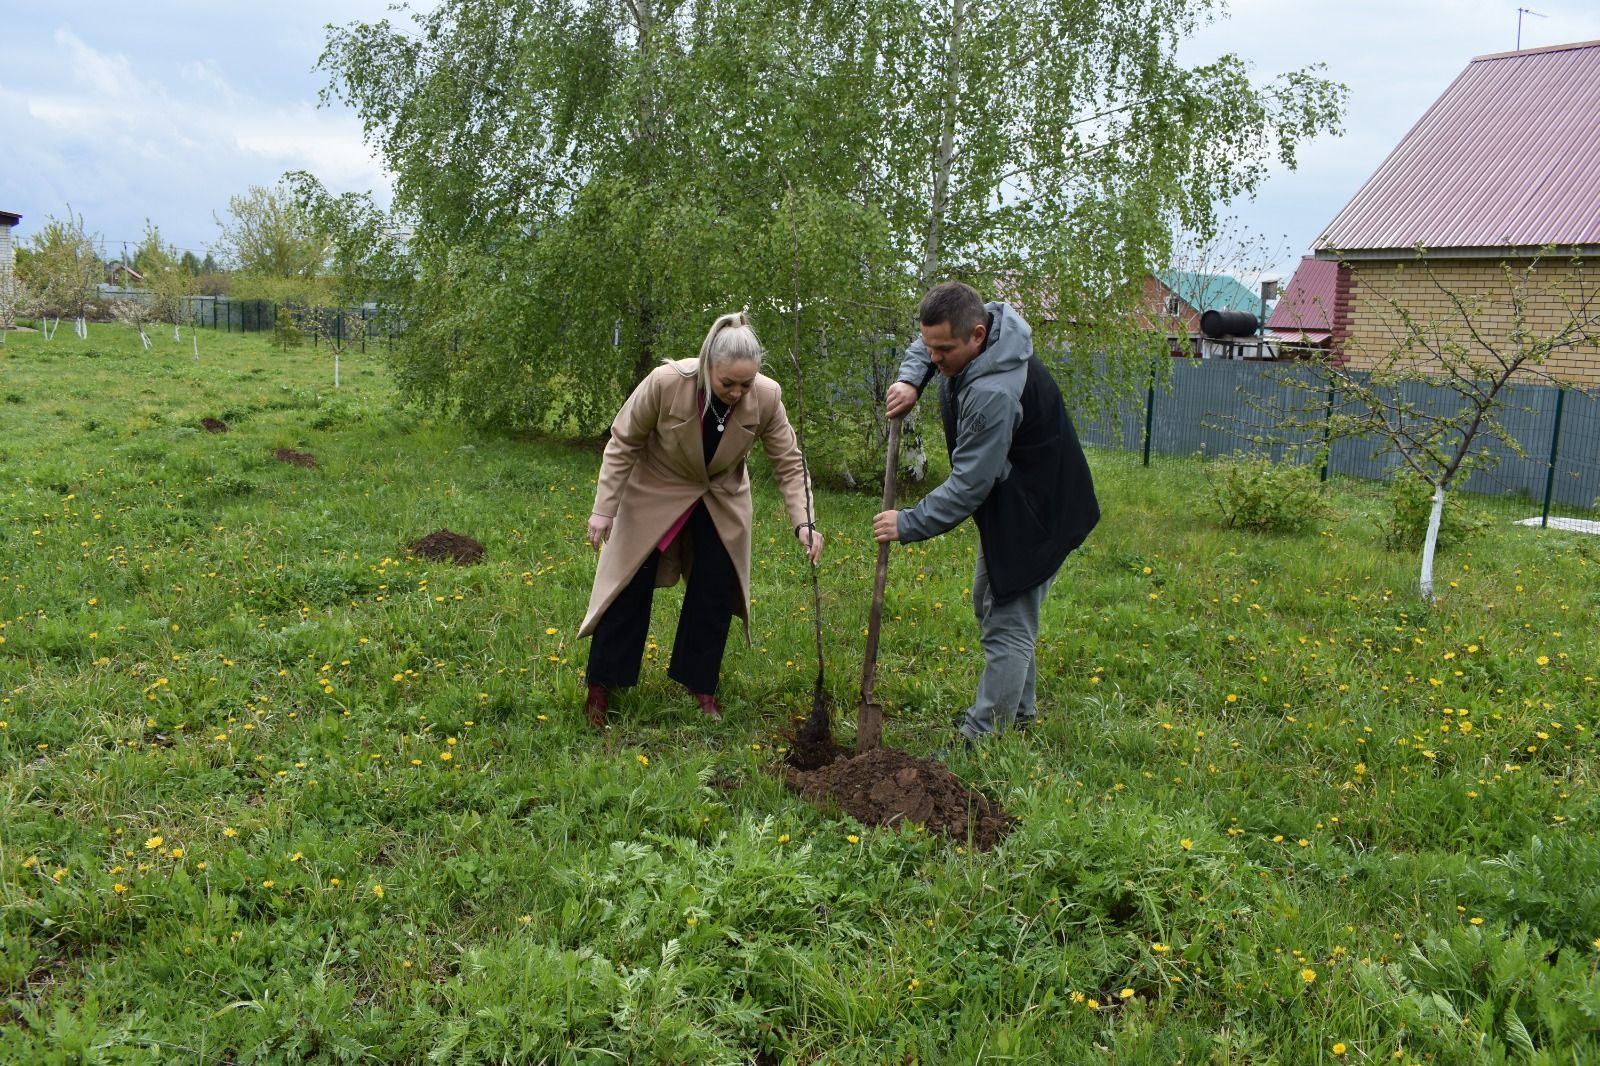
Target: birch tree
(586, 185)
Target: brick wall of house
(1367, 327)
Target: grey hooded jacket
(1016, 467)
(991, 409)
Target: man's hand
(902, 397)
(813, 542)
(599, 530)
(886, 526)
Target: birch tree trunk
(947, 145)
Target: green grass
(1280, 800)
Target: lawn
(275, 791)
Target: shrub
(1266, 497)
(285, 334)
(1411, 501)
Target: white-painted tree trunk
(195, 338)
(144, 339)
(1430, 542)
(336, 369)
(177, 337)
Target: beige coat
(654, 468)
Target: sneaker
(708, 706)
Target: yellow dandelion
(119, 888)
(1186, 844)
(377, 890)
(1160, 949)
(783, 838)
(643, 760)
(852, 838)
(1126, 993)
(153, 843)
(177, 853)
(267, 884)
(551, 631)
(445, 756)
(1338, 1049)
(1308, 975)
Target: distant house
(1504, 164)
(8, 260)
(1302, 323)
(1180, 300)
(123, 275)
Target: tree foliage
(166, 276)
(64, 270)
(585, 186)
(268, 235)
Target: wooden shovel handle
(869, 669)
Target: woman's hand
(599, 530)
(812, 540)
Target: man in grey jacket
(1016, 469)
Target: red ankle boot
(708, 706)
(594, 709)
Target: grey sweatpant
(1009, 632)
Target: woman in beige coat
(673, 497)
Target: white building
(7, 265)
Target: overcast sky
(163, 110)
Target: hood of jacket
(1008, 346)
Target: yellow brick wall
(1553, 294)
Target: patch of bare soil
(886, 786)
(213, 425)
(443, 544)
(294, 458)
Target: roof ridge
(1514, 53)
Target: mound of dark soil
(885, 786)
(294, 458)
(213, 425)
(443, 544)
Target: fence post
(1149, 411)
(1327, 435)
(1555, 446)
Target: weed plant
(275, 792)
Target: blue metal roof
(1211, 292)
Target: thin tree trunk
(947, 146)
(1431, 541)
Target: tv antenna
(1520, 12)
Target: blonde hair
(730, 340)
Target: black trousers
(618, 645)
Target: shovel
(869, 716)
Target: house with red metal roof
(1500, 170)
(1302, 323)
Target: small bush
(285, 333)
(1266, 497)
(1410, 503)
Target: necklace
(720, 417)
